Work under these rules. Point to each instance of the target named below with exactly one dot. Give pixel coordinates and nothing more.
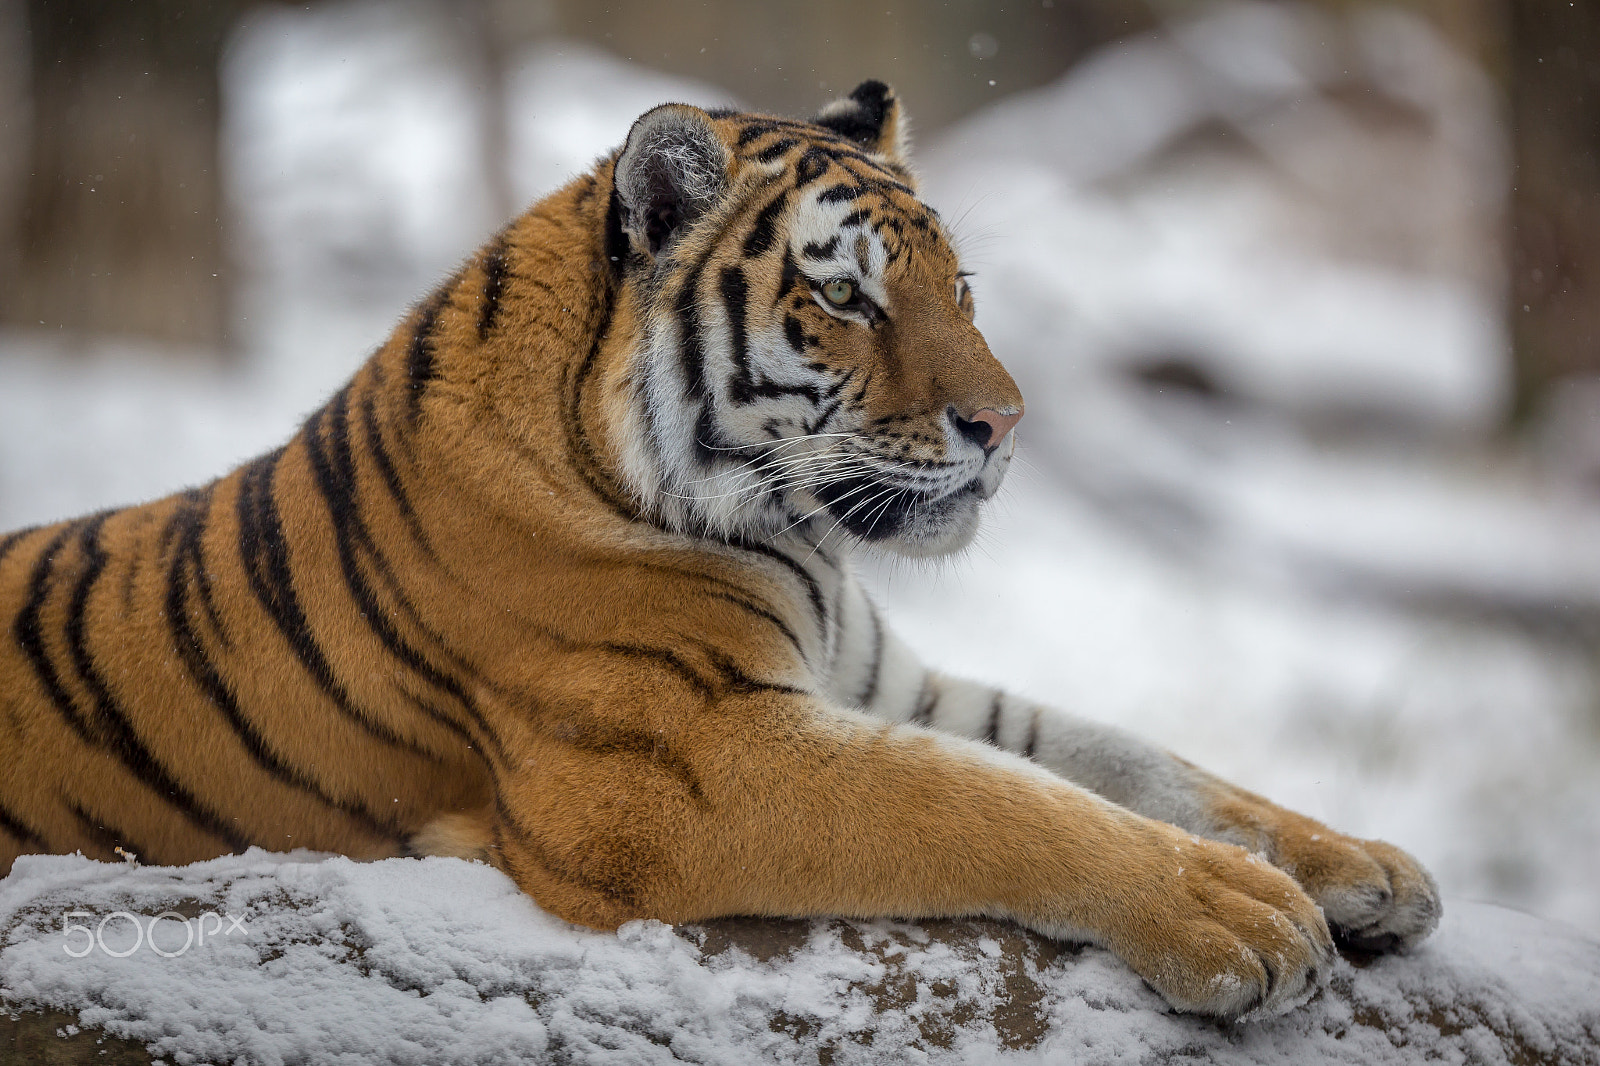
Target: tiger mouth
(874, 509)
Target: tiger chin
(561, 579)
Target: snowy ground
(322, 960)
(1259, 517)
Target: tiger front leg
(1374, 895)
(774, 804)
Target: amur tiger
(561, 580)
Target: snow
(558, 134)
(1318, 576)
(342, 183)
(444, 961)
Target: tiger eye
(838, 293)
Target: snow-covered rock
(313, 959)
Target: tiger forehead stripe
(820, 150)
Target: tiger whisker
(887, 495)
(774, 440)
(757, 459)
(818, 509)
(867, 487)
(790, 471)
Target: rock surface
(442, 961)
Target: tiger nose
(987, 428)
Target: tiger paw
(1225, 934)
(1375, 896)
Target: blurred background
(1304, 298)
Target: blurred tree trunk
(1555, 203)
(488, 29)
(119, 228)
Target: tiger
(561, 581)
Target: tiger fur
(560, 580)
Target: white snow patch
(441, 961)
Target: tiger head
(805, 356)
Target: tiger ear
(871, 117)
(672, 169)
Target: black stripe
(756, 130)
(761, 126)
(336, 480)
(613, 890)
(618, 249)
(775, 150)
(762, 232)
(420, 363)
(1033, 736)
(391, 476)
(21, 831)
(825, 250)
(188, 565)
(795, 333)
(762, 612)
(494, 270)
(709, 445)
(692, 359)
(670, 659)
(201, 499)
(841, 194)
(927, 700)
(106, 837)
(344, 469)
(819, 606)
(787, 279)
(743, 388)
(29, 635)
(828, 411)
(811, 165)
(264, 552)
(735, 292)
(731, 676)
(594, 736)
(992, 733)
(121, 739)
(878, 175)
(579, 448)
(735, 679)
(769, 390)
(870, 694)
(541, 285)
(731, 591)
(131, 572)
(690, 348)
